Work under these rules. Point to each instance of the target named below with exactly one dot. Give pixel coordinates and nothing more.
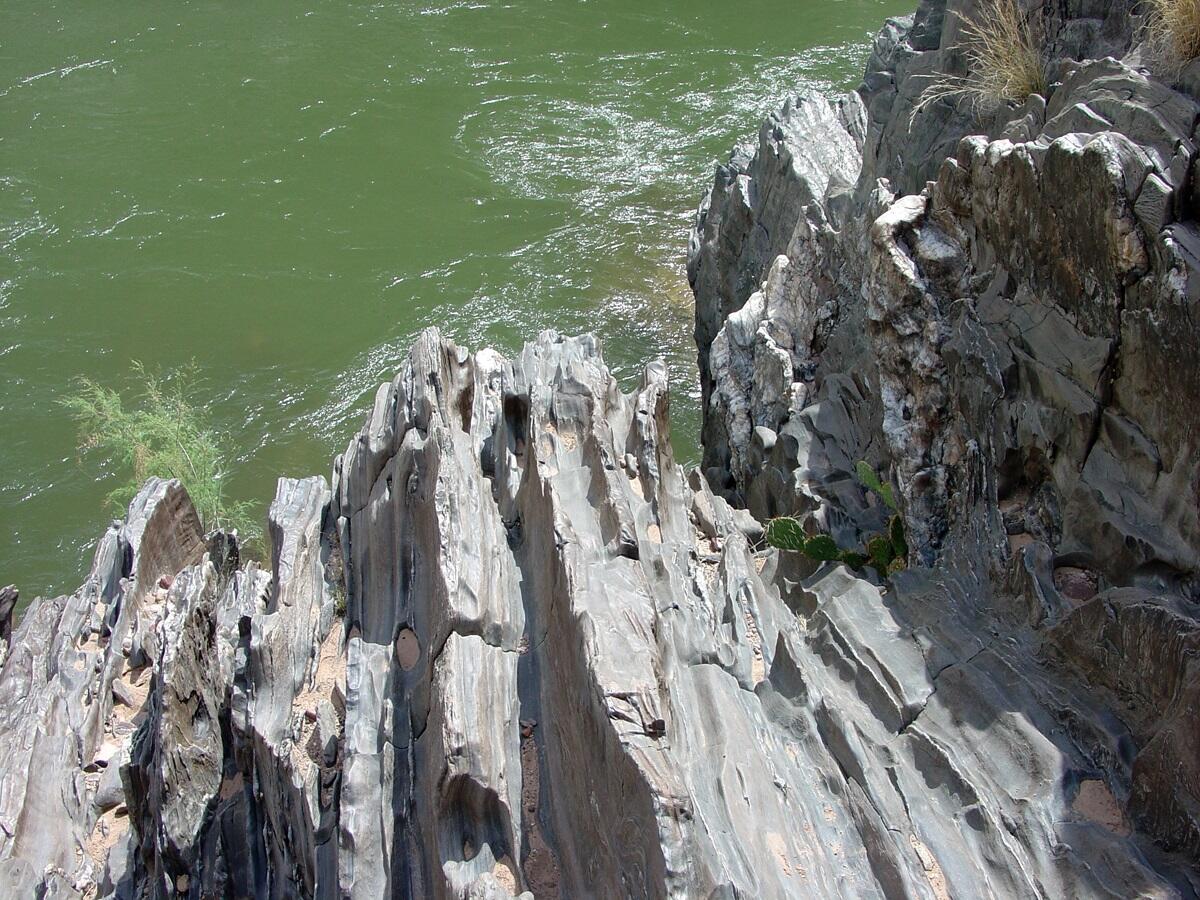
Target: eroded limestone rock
(512, 649)
(565, 671)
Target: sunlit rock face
(511, 649)
(566, 668)
(995, 307)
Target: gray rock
(1003, 309)
(513, 650)
(110, 792)
(566, 675)
(8, 602)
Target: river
(285, 193)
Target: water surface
(286, 193)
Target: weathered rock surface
(564, 670)
(1003, 304)
(512, 649)
(8, 603)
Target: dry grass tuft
(1173, 32)
(1004, 58)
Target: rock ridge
(510, 648)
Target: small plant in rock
(162, 434)
(888, 552)
(1005, 60)
(1172, 33)
(869, 479)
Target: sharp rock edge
(513, 649)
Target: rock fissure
(916, 714)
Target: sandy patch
(541, 868)
(1096, 803)
(566, 439)
(705, 550)
(504, 872)
(328, 680)
(109, 829)
(330, 674)
(130, 702)
(933, 871)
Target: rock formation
(512, 649)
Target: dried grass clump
(1004, 59)
(1173, 32)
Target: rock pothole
(408, 649)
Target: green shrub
(164, 434)
(1005, 59)
(896, 534)
(879, 549)
(822, 547)
(854, 560)
(883, 552)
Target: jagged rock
(110, 791)
(176, 758)
(55, 690)
(8, 602)
(513, 650)
(1004, 305)
(569, 675)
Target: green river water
(286, 193)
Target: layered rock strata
(995, 306)
(565, 669)
(512, 649)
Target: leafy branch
(164, 434)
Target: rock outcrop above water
(997, 308)
(513, 649)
